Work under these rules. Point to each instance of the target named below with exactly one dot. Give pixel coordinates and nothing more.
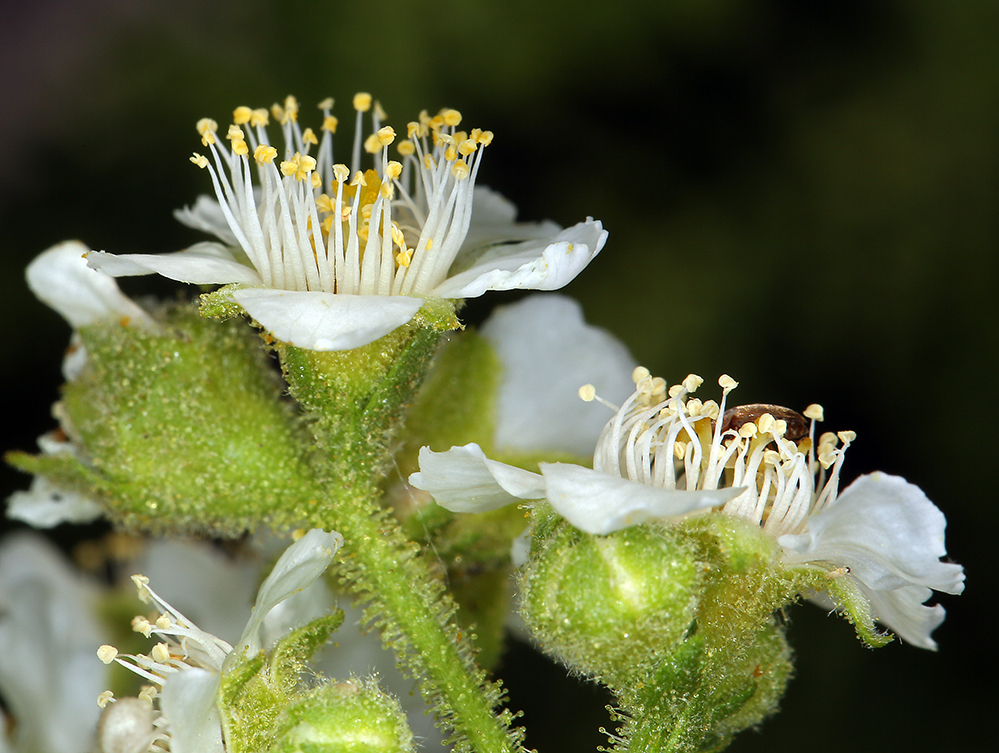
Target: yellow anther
(148, 693)
(771, 457)
(393, 169)
(780, 428)
(386, 135)
(815, 412)
(291, 108)
(260, 117)
(828, 438)
(141, 625)
(827, 459)
(366, 212)
(309, 137)
(163, 621)
(200, 160)
(277, 112)
(710, 409)
(747, 430)
(142, 584)
(160, 653)
(341, 172)
(639, 374)
(358, 179)
(207, 128)
(679, 449)
(404, 258)
(445, 138)
(240, 148)
(397, 237)
(241, 115)
(317, 182)
(587, 393)
(387, 190)
(325, 204)
(467, 147)
(406, 148)
(372, 145)
(330, 123)
(265, 154)
(460, 170)
(107, 653)
(437, 121)
(104, 698)
(485, 138)
(727, 383)
(459, 136)
(424, 117)
(766, 423)
(692, 382)
(290, 167)
(327, 224)
(428, 162)
(694, 406)
(846, 436)
(451, 117)
(235, 132)
(412, 129)
(308, 163)
(362, 101)
(430, 243)
(451, 154)
(379, 112)
(326, 104)
(658, 386)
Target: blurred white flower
(49, 675)
(665, 454)
(331, 257)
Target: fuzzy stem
(415, 615)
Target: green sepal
(188, 431)
(219, 304)
(849, 599)
(295, 649)
(63, 470)
(250, 704)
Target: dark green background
(801, 194)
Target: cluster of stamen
(315, 224)
(663, 437)
(182, 645)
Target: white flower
(546, 349)
(331, 257)
(49, 675)
(188, 664)
(664, 454)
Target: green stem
(408, 603)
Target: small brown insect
(797, 424)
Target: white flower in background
(331, 257)
(49, 675)
(61, 279)
(665, 454)
(546, 349)
(185, 669)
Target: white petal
(188, 702)
(494, 220)
(326, 321)
(60, 278)
(886, 531)
(548, 352)
(903, 611)
(298, 568)
(45, 505)
(201, 264)
(463, 479)
(532, 265)
(207, 215)
(599, 503)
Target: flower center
(663, 437)
(308, 223)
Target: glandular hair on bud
(604, 604)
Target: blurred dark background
(800, 194)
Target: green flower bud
(345, 717)
(605, 604)
(187, 430)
